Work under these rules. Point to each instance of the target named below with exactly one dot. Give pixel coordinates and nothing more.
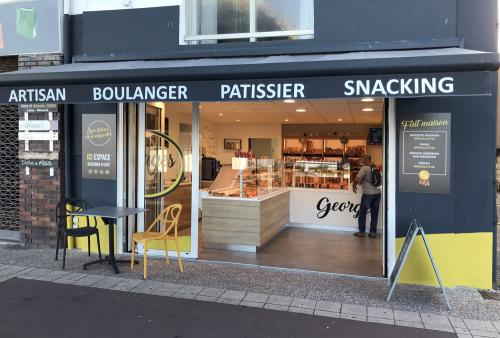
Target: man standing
(369, 179)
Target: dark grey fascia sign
(99, 146)
(397, 85)
(415, 229)
(30, 27)
(424, 153)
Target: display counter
(327, 208)
(312, 194)
(244, 224)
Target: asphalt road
(33, 309)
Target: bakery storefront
(262, 151)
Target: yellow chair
(170, 217)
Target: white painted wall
(244, 132)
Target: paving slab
(327, 314)
(410, 324)
(52, 276)
(307, 311)
(108, 282)
(205, 298)
(431, 319)
(236, 295)
(303, 303)
(183, 295)
(10, 270)
(478, 333)
(275, 307)
(161, 292)
(349, 316)
(280, 300)
(256, 297)
(461, 330)
(147, 286)
(231, 301)
(212, 292)
(323, 305)
(480, 325)
(439, 327)
(89, 280)
(127, 285)
(70, 278)
(379, 312)
(353, 309)
(407, 316)
(381, 320)
(457, 322)
(171, 287)
(252, 304)
(191, 290)
(33, 274)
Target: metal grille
(9, 158)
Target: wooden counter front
(251, 223)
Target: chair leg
(64, 250)
(99, 247)
(57, 243)
(181, 268)
(88, 244)
(132, 257)
(145, 260)
(166, 251)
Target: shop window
(217, 21)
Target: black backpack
(376, 176)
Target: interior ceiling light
(340, 120)
(368, 109)
(238, 120)
(286, 120)
(367, 99)
(220, 114)
(289, 101)
(300, 110)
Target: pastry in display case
(318, 175)
(261, 177)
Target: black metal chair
(64, 207)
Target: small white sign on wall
(38, 136)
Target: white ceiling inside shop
(316, 111)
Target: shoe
(359, 234)
(372, 235)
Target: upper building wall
(103, 32)
(74, 7)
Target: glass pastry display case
(318, 175)
(261, 177)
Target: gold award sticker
(424, 177)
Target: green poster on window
(26, 22)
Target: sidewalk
(293, 291)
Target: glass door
(158, 172)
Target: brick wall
(39, 192)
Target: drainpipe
(66, 48)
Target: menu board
(375, 136)
(424, 153)
(99, 146)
